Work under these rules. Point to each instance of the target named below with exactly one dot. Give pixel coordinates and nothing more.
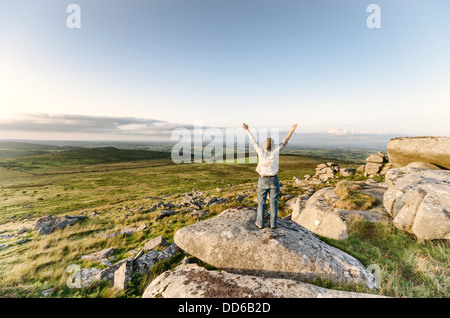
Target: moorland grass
(114, 191)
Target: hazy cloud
(134, 128)
(66, 123)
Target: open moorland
(117, 189)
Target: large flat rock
(232, 242)
(405, 150)
(322, 218)
(419, 201)
(192, 281)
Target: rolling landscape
(118, 189)
(240, 151)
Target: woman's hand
(290, 133)
(245, 126)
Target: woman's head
(268, 144)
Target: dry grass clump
(350, 199)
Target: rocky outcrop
(232, 241)
(321, 217)
(419, 201)
(325, 171)
(48, 224)
(347, 172)
(192, 281)
(375, 163)
(434, 150)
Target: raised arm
(252, 139)
(288, 136)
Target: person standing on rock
(268, 183)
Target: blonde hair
(268, 144)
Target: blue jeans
(269, 186)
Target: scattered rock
(108, 273)
(193, 199)
(232, 241)
(299, 182)
(145, 262)
(122, 276)
(160, 204)
(93, 214)
(215, 200)
(48, 224)
(99, 255)
(88, 275)
(430, 149)
(164, 213)
(192, 281)
(21, 241)
(419, 201)
(23, 230)
(198, 214)
(110, 235)
(6, 236)
(128, 230)
(139, 254)
(157, 242)
(141, 227)
(47, 292)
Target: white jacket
(268, 161)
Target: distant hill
(106, 155)
(9, 149)
(81, 156)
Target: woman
(268, 182)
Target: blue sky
(159, 64)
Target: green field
(85, 178)
(115, 183)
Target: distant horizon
(311, 140)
